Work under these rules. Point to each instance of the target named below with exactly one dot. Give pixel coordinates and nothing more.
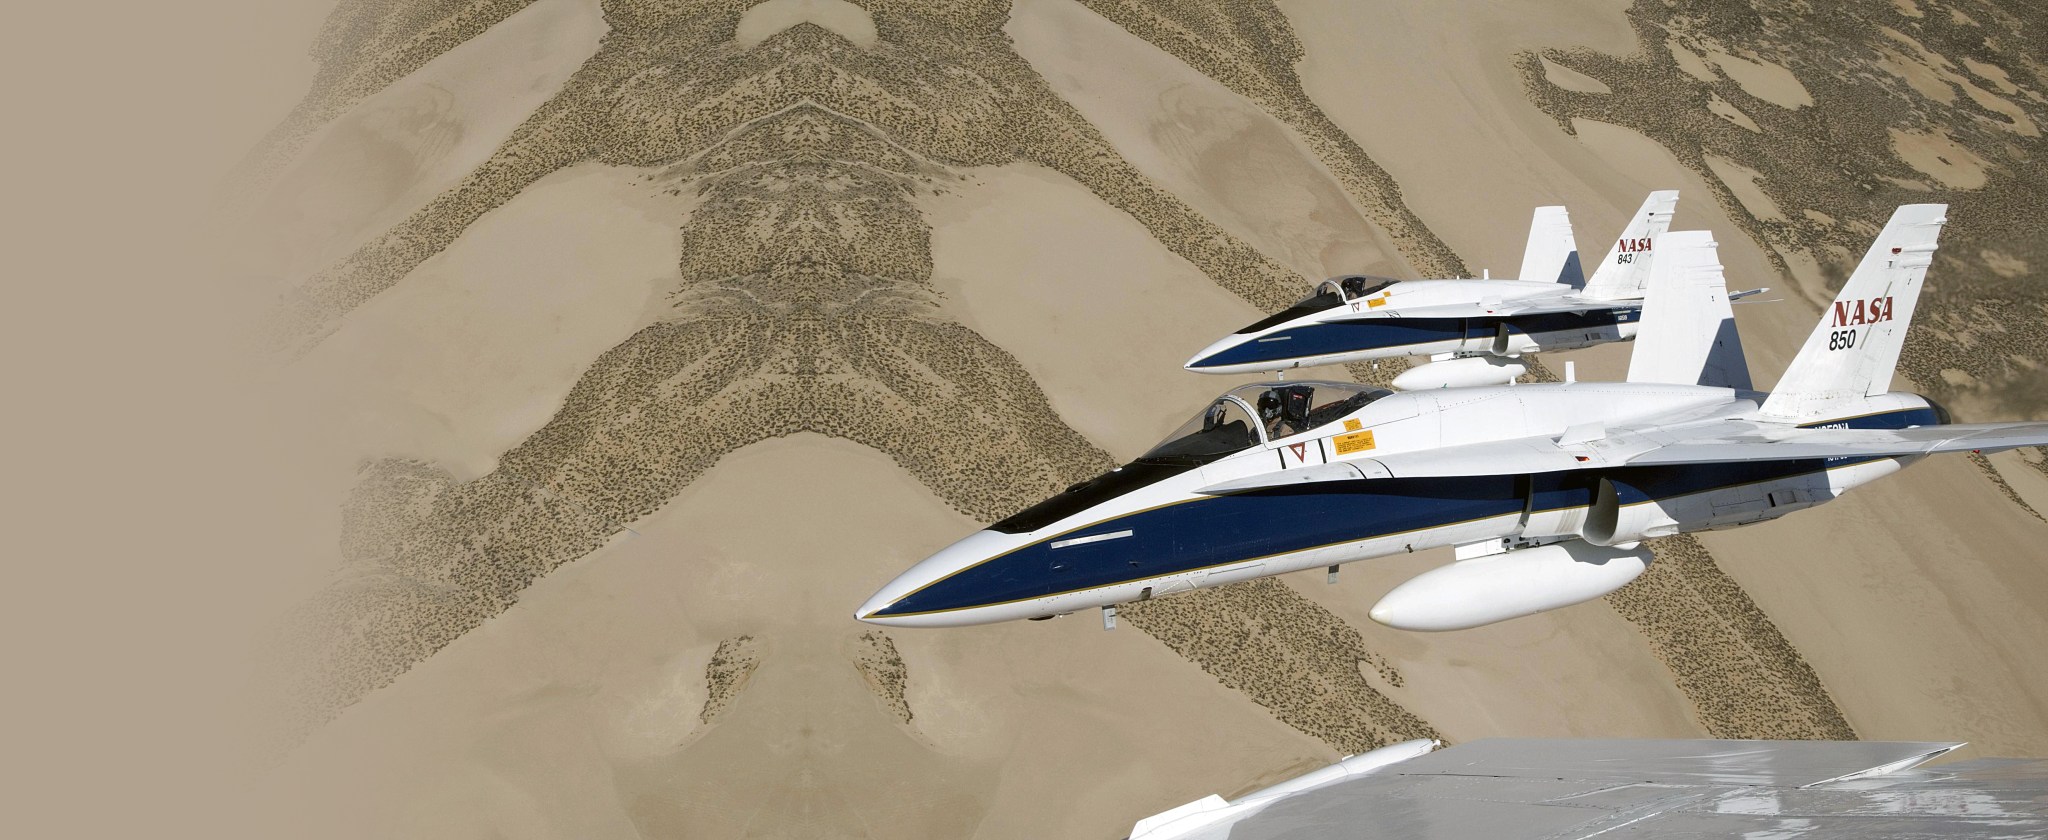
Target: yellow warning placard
(1353, 425)
(1354, 442)
(1376, 303)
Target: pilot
(1354, 288)
(1274, 410)
(1269, 412)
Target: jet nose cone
(1200, 361)
(876, 603)
(887, 606)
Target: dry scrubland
(813, 140)
(1814, 123)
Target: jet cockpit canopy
(1251, 415)
(1329, 294)
(1355, 286)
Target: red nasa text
(1850, 313)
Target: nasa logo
(1633, 246)
(1850, 313)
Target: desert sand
(475, 355)
(618, 432)
(1216, 149)
(414, 139)
(599, 674)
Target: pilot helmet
(1269, 404)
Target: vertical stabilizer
(1626, 271)
(1853, 351)
(1687, 335)
(1552, 255)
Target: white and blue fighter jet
(1474, 330)
(1545, 490)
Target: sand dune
(1212, 147)
(1581, 672)
(1100, 313)
(598, 674)
(483, 343)
(1919, 600)
(1430, 95)
(413, 140)
(844, 19)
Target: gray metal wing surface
(1508, 789)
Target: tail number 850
(1841, 339)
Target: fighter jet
(1474, 330)
(1545, 490)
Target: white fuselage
(1406, 319)
(1111, 552)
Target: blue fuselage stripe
(1393, 333)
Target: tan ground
(1763, 80)
(479, 348)
(576, 714)
(1919, 601)
(594, 707)
(1941, 158)
(845, 19)
(415, 139)
(1216, 149)
(1084, 299)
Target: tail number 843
(1841, 339)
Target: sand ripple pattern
(1287, 654)
(668, 83)
(805, 306)
(1990, 471)
(363, 46)
(1744, 679)
(1249, 46)
(875, 657)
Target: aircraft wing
(1569, 789)
(1715, 442)
(1594, 447)
(1767, 442)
